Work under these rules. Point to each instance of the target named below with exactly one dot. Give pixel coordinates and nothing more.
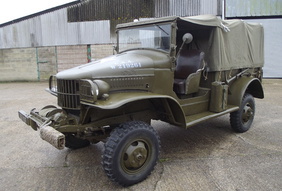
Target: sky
(14, 9)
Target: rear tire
(131, 153)
(242, 119)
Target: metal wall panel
(94, 10)
(161, 8)
(186, 7)
(52, 29)
(272, 46)
(250, 8)
(213, 7)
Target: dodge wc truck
(180, 70)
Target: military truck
(180, 70)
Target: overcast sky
(14, 9)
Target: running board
(200, 117)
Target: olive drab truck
(180, 70)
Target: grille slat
(68, 94)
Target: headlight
(91, 91)
(103, 88)
(88, 91)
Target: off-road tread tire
(113, 144)
(73, 142)
(236, 117)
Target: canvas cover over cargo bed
(232, 44)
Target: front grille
(68, 94)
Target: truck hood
(131, 63)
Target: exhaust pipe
(52, 136)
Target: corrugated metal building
(53, 29)
(93, 22)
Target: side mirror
(187, 38)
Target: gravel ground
(208, 156)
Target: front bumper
(41, 123)
(33, 119)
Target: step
(200, 117)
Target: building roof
(41, 13)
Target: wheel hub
(135, 155)
(247, 113)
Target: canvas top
(232, 44)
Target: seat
(187, 75)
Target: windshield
(153, 36)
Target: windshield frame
(160, 28)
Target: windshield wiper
(161, 29)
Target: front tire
(131, 153)
(242, 119)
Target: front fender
(245, 85)
(117, 100)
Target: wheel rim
(248, 113)
(135, 156)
